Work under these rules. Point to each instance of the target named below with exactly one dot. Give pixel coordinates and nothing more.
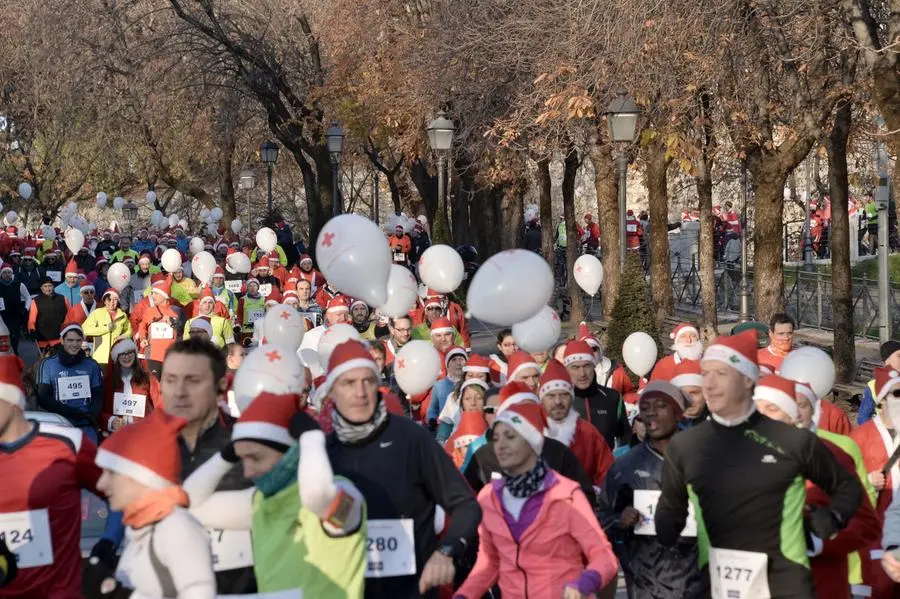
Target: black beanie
(888, 348)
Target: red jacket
(77, 314)
(833, 419)
(592, 451)
(149, 390)
(664, 369)
(768, 359)
(455, 314)
(158, 345)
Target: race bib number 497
(27, 534)
(391, 548)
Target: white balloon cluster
(399, 220)
(25, 190)
(532, 211)
(101, 199)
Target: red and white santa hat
(683, 328)
(477, 363)
(452, 352)
(72, 326)
(120, 346)
(519, 361)
(433, 298)
(163, 288)
(206, 293)
(5, 266)
(267, 419)
(472, 383)
(273, 298)
(737, 351)
(337, 304)
(111, 292)
(12, 389)
(71, 268)
(687, 374)
(128, 451)
(304, 258)
(806, 391)
(584, 334)
(578, 351)
(886, 381)
(514, 392)
(442, 325)
(347, 356)
(528, 420)
(555, 378)
(86, 286)
(780, 391)
(263, 262)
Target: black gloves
(823, 522)
(301, 423)
(98, 582)
(228, 454)
(105, 550)
(8, 566)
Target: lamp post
(882, 198)
(268, 154)
(745, 287)
(335, 137)
(622, 115)
(247, 182)
(130, 211)
(807, 225)
(440, 138)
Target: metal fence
(807, 296)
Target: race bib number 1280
(27, 534)
(391, 548)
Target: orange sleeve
(32, 315)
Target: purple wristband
(589, 582)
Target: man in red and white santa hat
(522, 367)
(437, 305)
(609, 373)
(687, 346)
(304, 270)
(79, 312)
(601, 406)
(565, 425)
(689, 379)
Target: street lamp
(268, 154)
(335, 137)
(130, 211)
(622, 115)
(247, 182)
(440, 138)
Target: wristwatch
(453, 550)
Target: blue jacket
(866, 406)
(439, 394)
(141, 246)
(183, 244)
(72, 294)
(61, 387)
(100, 286)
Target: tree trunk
(460, 220)
(224, 169)
(512, 211)
(570, 169)
(606, 184)
(548, 231)
(426, 185)
(709, 320)
(660, 262)
(840, 238)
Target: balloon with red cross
(331, 338)
(354, 256)
(417, 366)
(510, 287)
(441, 268)
(538, 333)
(283, 326)
(588, 273)
(402, 292)
(272, 368)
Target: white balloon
(810, 365)
(182, 223)
(510, 287)
(203, 265)
(402, 291)
(266, 239)
(588, 273)
(155, 216)
(417, 366)
(151, 197)
(74, 240)
(239, 262)
(73, 207)
(441, 268)
(236, 225)
(212, 230)
(204, 214)
(639, 353)
(196, 245)
(171, 260)
(216, 214)
(118, 202)
(25, 190)
(118, 276)
(354, 257)
(538, 333)
(271, 368)
(11, 217)
(101, 199)
(173, 220)
(50, 234)
(284, 326)
(331, 338)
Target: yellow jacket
(97, 326)
(223, 332)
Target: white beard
(563, 430)
(689, 351)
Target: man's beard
(689, 351)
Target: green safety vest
(872, 210)
(251, 305)
(561, 235)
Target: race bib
(256, 314)
(265, 289)
(738, 574)
(391, 548)
(27, 534)
(74, 388)
(54, 275)
(125, 404)
(161, 330)
(645, 502)
(399, 257)
(234, 286)
(231, 549)
(631, 228)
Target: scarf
(352, 432)
(527, 484)
(155, 506)
(563, 430)
(67, 359)
(281, 475)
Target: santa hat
(69, 328)
(347, 356)
(337, 304)
(358, 302)
(472, 383)
(442, 325)
(518, 362)
(668, 392)
(267, 419)
(163, 288)
(218, 272)
(528, 420)
(806, 391)
(126, 451)
(253, 280)
(779, 391)
(110, 292)
(737, 351)
(555, 378)
(207, 293)
(687, 374)
(453, 352)
(584, 334)
(71, 268)
(145, 257)
(201, 324)
(477, 363)
(86, 286)
(471, 426)
(263, 262)
(100, 262)
(886, 380)
(683, 328)
(6, 266)
(515, 392)
(305, 258)
(122, 345)
(12, 389)
(433, 298)
(578, 351)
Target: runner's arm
(672, 509)
(337, 502)
(228, 510)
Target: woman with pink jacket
(538, 537)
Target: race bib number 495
(27, 534)
(74, 388)
(391, 548)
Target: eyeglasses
(489, 409)
(406, 330)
